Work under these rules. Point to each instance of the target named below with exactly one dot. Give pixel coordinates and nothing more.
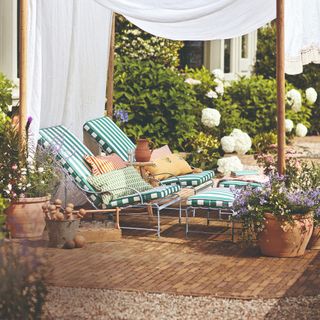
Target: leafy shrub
(262, 142)
(22, 290)
(160, 105)
(134, 43)
(5, 93)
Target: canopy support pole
(23, 33)
(280, 87)
(111, 70)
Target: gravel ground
(78, 303)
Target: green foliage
(159, 103)
(22, 290)
(135, 43)
(205, 151)
(262, 142)
(5, 93)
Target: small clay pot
(143, 152)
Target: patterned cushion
(155, 193)
(104, 164)
(69, 151)
(238, 184)
(212, 198)
(191, 180)
(159, 153)
(119, 182)
(110, 137)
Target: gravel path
(78, 303)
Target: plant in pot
(280, 214)
(27, 178)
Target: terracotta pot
(284, 239)
(143, 152)
(314, 243)
(25, 218)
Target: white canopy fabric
(69, 40)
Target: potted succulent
(27, 178)
(280, 215)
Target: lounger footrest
(190, 180)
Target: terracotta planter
(314, 243)
(284, 239)
(143, 152)
(25, 218)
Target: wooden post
(111, 70)
(23, 33)
(280, 87)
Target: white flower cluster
(294, 100)
(238, 141)
(192, 81)
(218, 73)
(210, 117)
(226, 165)
(212, 94)
(289, 125)
(301, 130)
(220, 87)
(311, 95)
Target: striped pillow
(103, 164)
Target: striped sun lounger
(113, 140)
(69, 152)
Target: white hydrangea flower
(212, 94)
(311, 95)
(301, 130)
(228, 144)
(243, 142)
(218, 73)
(294, 100)
(219, 87)
(40, 169)
(226, 165)
(289, 125)
(210, 117)
(192, 81)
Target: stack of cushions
(103, 164)
(122, 180)
(168, 166)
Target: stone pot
(314, 243)
(143, 152)
(25, 217)
(285, 239)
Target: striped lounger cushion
(69, 152)
(239, 184)
(212, 198)
(155, 193)
(190, 180)
(110, 137)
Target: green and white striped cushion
(155, 193)
(239, 184)
(212, 198)
(192, 179)
(69, 152)
(110, 137)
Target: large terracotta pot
(25, 218)
(314, 243)
(143, 152)
(284, 239)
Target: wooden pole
(23, 33)
(111, 71)
(280, 87)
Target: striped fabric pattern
(212, 198)
(190, 180)
(69, 152)
(103, 164)
(155, 193)
(239, 184)
(110, 137)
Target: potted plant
(280, 215)
(27, 178)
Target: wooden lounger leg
(118, 218)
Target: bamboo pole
(23, 33)
(111, 70)
(280, 87)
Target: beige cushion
(160, 153)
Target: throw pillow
(118, 182)
(160, 153)
(104, 164)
